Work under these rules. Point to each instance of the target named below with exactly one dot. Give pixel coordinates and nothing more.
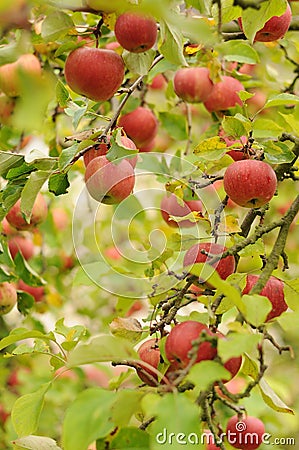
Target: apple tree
(149, 232)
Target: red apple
(4, 415)
(108, 182)
(193, 84)
(224, 95)
(233, 366)
(113, 253)
(250, 183)
(148, 147)
(8, 297)
(275, 28)
(39, 214)
(7, 106)
(209, 440)
(21, 244)
(135, 32)
(10, 74)
(158, 83)
(196, 254)
(149, 352)
(179, 343)
(37, 292)
(141, 125)
(135, 308)
(103, 147)
(273, 290)
(112, 45)
(60, 218)
(7, 230)
(94, 375)
(171, 206)
(246, 433)
(94, 72)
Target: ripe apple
(39, 214)
(37, 292)
(102, 148)
(113, 253)
(60, 218)
(224, 94)
(21, 244)
(245, 434)
(179, 343)
(170, 206)
(233, 366)
(236, 154)
(4, 415)
(108, 182)
(273, 290)
(94, 72)
(193, 84)
(7, 230)
(114, 45)
(7, 106)
(8, 297)
(158, 83)
(141, 125)
(135, 32)
(275, 28)
(250, 183)
(96, 376)
(149, 352)
(196, 254)
(10, 74)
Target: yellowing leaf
(230, 225)
(210, 144)
(127, 328)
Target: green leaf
(236, 127)
(88, 419)
(171, 43)
(26, 272)
(235, 344)
(32, 187)
(257, 309)
(139, 63)
(277, 152)
(19, 334)
(272, 399)
(36, 443)
(62, 94)
(127, 403)
(59, 183)
(8, 161)
(130, 438)
(117, 150)
(281, 100)
(211, 149)
(254, 19)
(178, 242)
(291, 293)
(292, 121)
(250, 367)
(205, 373)
(239, 51)
(174, 124)
(175, 413)
(56, 25)
(126, 328)
(67, 155)
(27, 409)
(25, 302)
(101, 349)
(266, 128)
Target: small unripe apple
(8, 297)
(224, 94)
(135, 32)
(250, 183)
(37, 292)
(171, 206)
(246, 434)
(198, 254)
(273, 290)
(275, 28)
(39, 213)
(179, 343)
(193, 84)
(10, 74)
(108, 182)
(103, 147)
(141, 125)
(21, 244)
(149, 352)
(94, 72)
(60, 218)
